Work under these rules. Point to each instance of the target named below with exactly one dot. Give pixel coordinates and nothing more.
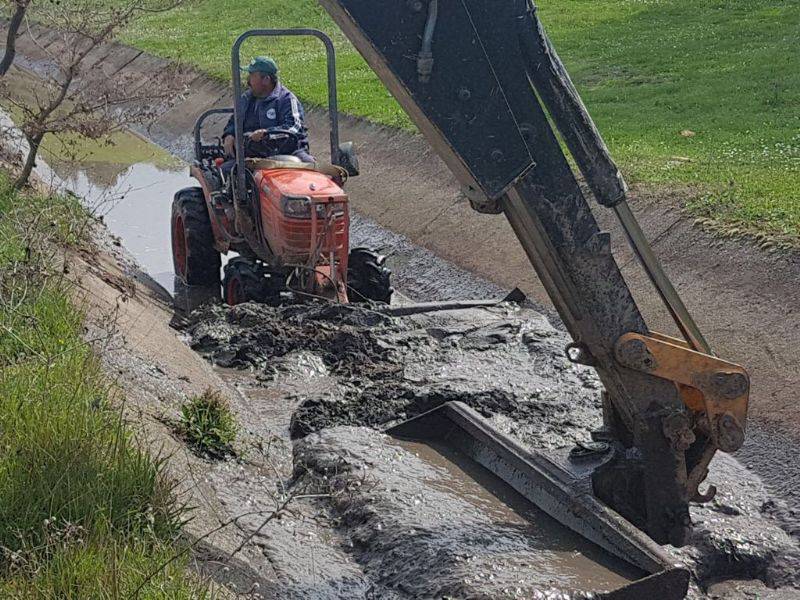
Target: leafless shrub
(77, 99)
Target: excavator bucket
(455, 433)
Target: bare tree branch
(14, 24)
(74, 99)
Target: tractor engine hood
(299, 182)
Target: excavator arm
(483, 83)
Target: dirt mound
(507, 363)
(348, 339)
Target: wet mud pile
(348, 340)
(397, 525)
(420, 530)
(736, 537)
(505, 362)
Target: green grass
(728, 70)
(202, 33)
(208, 424)
(84, 513)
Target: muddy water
(269, 406)
(415, 531)
(135, 202)
(561, 555)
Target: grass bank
(703, 94)
(84, 513)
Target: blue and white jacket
(280, 110)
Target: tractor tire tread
(368, 278)
(253, 286)
(203, 261)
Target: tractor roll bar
(198, 126)
(238, 118)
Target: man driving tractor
(266, 106)
(290, 223)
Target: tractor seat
(285, 158)
(279, 161)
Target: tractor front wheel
(367, 277)
(244, 282)
(194, 257)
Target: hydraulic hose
(425, 58)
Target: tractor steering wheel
(276, 141)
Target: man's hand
(258, 135)
(228, 145)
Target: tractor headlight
(298, 207)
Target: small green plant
(208, 424)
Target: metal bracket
(480, 202)
(708, 385)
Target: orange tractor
(287, 220)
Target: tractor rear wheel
(194, 257)
(367, 276)
(244, 282)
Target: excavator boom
(483, 83)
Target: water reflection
(136, 203)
